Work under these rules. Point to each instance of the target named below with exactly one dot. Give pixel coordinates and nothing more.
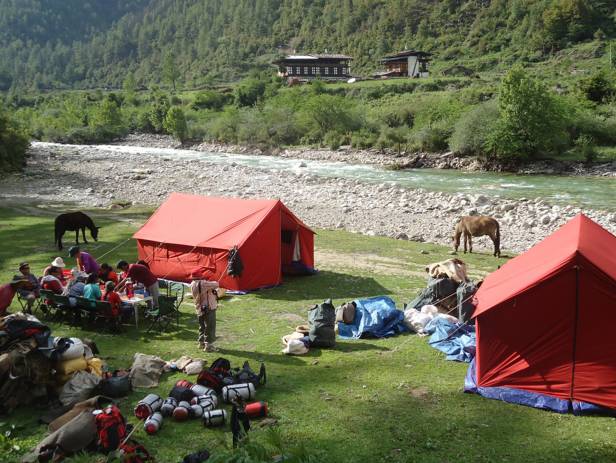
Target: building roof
(405, 54)
(313, 57)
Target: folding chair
(23, 302)
(168, 309)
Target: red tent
(546, 319)
(188, 233)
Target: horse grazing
(74, 221)
(479, 225)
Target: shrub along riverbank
(517, 118)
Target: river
(587, 192)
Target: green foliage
(585, 147)
(332, 139)
(430, 139)
(568, 20)
(599, 87)
(249, 92)
(170, 71)
(158, 111)
(13, 143)
(395, 137)
(209, 99)
(175, 124)
(326, 113)
(531, 122)
(472, 130)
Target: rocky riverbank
(391, 159)
(94, 177)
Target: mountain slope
(60, 43)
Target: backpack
(217, 375)
(322, 321)
(111, 429)
(133, 452)
(115, 385)
(247, 375)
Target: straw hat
(58, 262)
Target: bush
(281, 125)
(333, 140)
(398, 117)
(324, 113)
(224, 127)
(598, 87)
(431, 139)
(175, 124)
(363, 139)
(472, 130)
(209, 99)
(249, 92)
(585, 146)
(531, 121)
(13, 143)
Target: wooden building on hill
(313, 66)
(407, 63)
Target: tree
(530, 120)
(170, 71)
(13, 143)
(108, 115)
(175, 124)
(597, 87)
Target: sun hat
(73, 250)
(58, 262)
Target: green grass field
(392, 400)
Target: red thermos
(129, 289)
(256, 409)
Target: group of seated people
(84, 280)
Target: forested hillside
(81, 44)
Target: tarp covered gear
(566, 285)
(439, 291)
(322, 322)
(457, 340)
(76, 435)
(191, 233)
(79, 388)
(374, 317)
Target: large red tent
(545, 320)
(190, 233)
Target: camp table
(135, 302)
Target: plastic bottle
(129, 289)
(153, 423)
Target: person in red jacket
(7, 291)
(115, 301)
(52, 281)
(140, 274)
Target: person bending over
(106, 274)
(7, 291)
(85, 262)
(140, 274)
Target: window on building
(305, 69)
(315, 70)
(298, 70)
(335, 71)
(326, 71)
(289, 70)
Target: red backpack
(217, 376)
(111, 429)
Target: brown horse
(477, 225)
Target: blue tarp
(531, 399)
(454, 339)
(374, 317)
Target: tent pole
(575, 329)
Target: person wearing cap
(140, 274)
(28, 294)
(85, 262)
(7, 291)
(206, 303)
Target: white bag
(295, 347)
